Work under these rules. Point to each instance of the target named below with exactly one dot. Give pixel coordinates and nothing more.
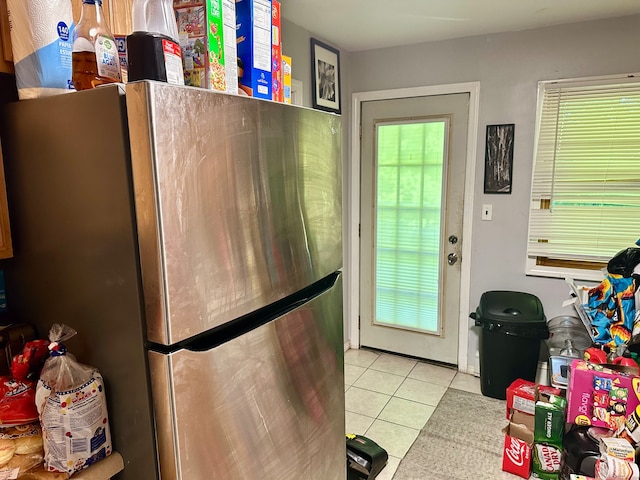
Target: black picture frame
(498, 160)
(325, 76)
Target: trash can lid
(510, 307)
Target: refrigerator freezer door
(267, 405)
(238, 202)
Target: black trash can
(512, 326)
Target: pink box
(600, 396)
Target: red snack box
(518, 445)
(521, 396)
(600, 396)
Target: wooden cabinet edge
(6, 246)
(6, 57)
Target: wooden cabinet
(6, 248)
(6, 57)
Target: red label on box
(516, 457)
(521, 396)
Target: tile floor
(391, 397)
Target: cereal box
(254, 47)
(286, 78)
(207, 38)
(276, 54)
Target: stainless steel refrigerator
(193, 239)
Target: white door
(413, 154)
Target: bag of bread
(73, 409)
(21, 450)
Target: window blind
(585, 196)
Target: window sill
(563, 273)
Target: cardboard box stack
(588, 431)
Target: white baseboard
(347, 345)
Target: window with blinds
(585, 197)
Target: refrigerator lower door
(267, 405)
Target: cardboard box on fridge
(253, 19)
(518, 444)
(208, 41)
(600, 396)
(277, 79)
(286, 78)
(521, 396)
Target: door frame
(352, 300)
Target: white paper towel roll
(41, 43)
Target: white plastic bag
(73, 409)
(41, 45)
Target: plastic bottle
(94, 58)
(153, 49)
(569, 350)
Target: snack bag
(73, 409)
(18, 392)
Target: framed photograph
(325, 76)
(498, 160)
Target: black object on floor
(512, 326)
(365, 458)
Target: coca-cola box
(550, 413)
(600, 396)
(518, 442)
(522, 395)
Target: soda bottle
(94, 58)
(153, 49)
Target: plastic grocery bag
(73, 409)
(41, 45)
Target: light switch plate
(487, 211)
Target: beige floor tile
(393, 364)
(406, 413)
(352, 373)
(381, 382)
(433, 374)
(361, 358)
(390, 469)
(466, 382)
(356, 423)
(395, 439)
(365, 402)
(419, 391)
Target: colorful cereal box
(286, 78)
(276, 53)
(254, 47)
(207, 38)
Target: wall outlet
(487, 211)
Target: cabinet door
(6, 248)
(6, 56)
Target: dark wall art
(325, 76)
(498, 162)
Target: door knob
(453, 239)
(452, 258)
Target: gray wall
(508, 67)
(296, 44)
